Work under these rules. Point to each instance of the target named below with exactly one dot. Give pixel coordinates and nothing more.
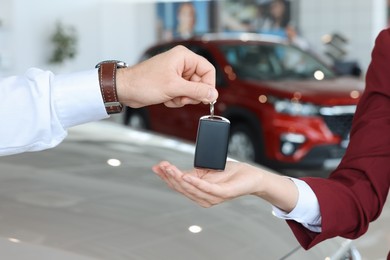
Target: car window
(273, 62)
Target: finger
(198, 68)
(195, 197)
(207, 187)
(175, 177)
(197, 90)
(162, 175)
(180, 102)
(194, 64)
(200, 197)
(160, 170)
(165, 178)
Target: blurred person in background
(277, 19)
(294, 38)
(186, 19)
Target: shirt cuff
(307, 211)
(77, 98)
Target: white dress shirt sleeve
(38, 107)
(307, 211)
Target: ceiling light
(114, 162)
(195, 229)
(14, 240)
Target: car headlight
(294, 107)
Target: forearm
(278, 190)
(292, 199)
(356, 191)
(39, 107)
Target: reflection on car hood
(12, 248)
(318, 91)
(69, 201)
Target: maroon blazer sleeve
(355, 192)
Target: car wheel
(243, 145)
(137, 119)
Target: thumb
(198, 91)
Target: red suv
(287, 108)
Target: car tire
(244, 145)
(136, 119)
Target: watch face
(119, 64)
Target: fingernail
(213, 94)
(169, 171)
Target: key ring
(212, 108)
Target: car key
(212, 141)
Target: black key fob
(212, 142)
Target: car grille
(339, 124)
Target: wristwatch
(107, 79)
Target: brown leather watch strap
(107, 79)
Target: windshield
(274, 62)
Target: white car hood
(70, 203)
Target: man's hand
(176, 78)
